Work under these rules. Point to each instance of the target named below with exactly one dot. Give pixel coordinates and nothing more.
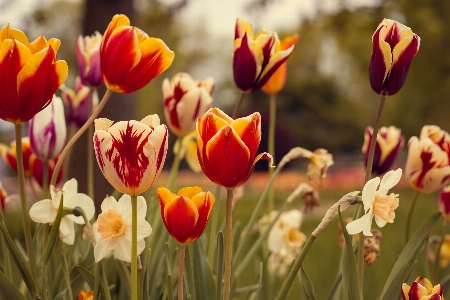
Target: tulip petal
(249, 129)
(164, 195)
(204, 202)
(117, 21)
(180, 216)
(380, 61)
(247, 61)
(210, 124)
(189, 192)
(242, 27)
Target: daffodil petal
(43, 211)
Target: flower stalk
(181, 272)
(90, 155)
(410, 213)
(438, 251)
(238, 105)
(134, 274)
(228, 245)
(175, 166)
(271, 143)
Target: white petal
(141, 207)
(66, 231)
(103, 247)
(111, 203)
(380, 222)
(122, 251)
(43, 211)
(70, 187)
(144, 229)
(83, 201)
(369, 192)
(390, 179)
(275, 240)
(125, 203)
(362, 224)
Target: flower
(226, 148)
(320, 161)
(428, 164)
(3, 197)
(29, 74)
(77, 103)
(372, 247)
(394, 47)
(189, 151)
(388, 144)
(185, 100)
(45, 211)
(377, 203)
(83, 295)
(129, 58)
(37, 168)
(47, 130)
(310, 197)
(444, 254)
(185, 214)
(130, 154)
(444, 203)
(277, 81)
(113, 228)
(421, 289)
(9, 155)
(88, 58)
(257, 57)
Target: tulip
(277, 81)
(421, 289)
(37, 168)
(3, 198)
(189, 151)
(388, 144)
(394, 47)
(83, 295)
(129, 58)
(77, 103)
(256, 57)
(88, 57)
(29, 74)
(47, 130)
(130, 154)
(444, 203)
(427, 165)
(9, 155)
(185, 100)
(444, 253)
(226, 148)
(186, 213)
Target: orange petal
(209, 125)
(164, 195)
(189, 192)
(180, 217)
(9, 32)
(117, 21)
(204, 202)
(249, 130)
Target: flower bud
(88, 57)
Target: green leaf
(189, 273)
(220, 254)
(8, 290)
(169, 294)
(53, 232)
(146, 279)
(66, 275)
(308, 287)
(203, 275)
(124, 275)
(90, 279)
(407, 258)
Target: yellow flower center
(110, 225)
(384, 207)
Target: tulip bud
(76, 103)
(88, 57)
(388, 144)
(394, 47)
(444, 203)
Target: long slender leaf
(169, 294)
(203, 275)
(104, 282)
(66, 275)
(189, 273)
(146, 280)
(53, 232)
(307, 284)
(90, 279)
(8, 290)
(124, 275)
(220, 254)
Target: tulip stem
(373, 141)
(214, 220)
(24, 202)
(175, 165)
(134, 274)
(410, 213)
(238, 105)
(77, 135)
(90, 154)
(228, 245)
(45, 180)
(180, 272)
(438, 251)
(271, 144)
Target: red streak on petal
(197, 108)
(98, 152)
(427, 165)
(393, 36)
(161, 154)
(172, 104)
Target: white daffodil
(377, 203)
(45, 211)
(113, 228)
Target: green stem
(45, 180)
(228, 245)
(90, 154)
(271, 143)
(175, 166)
(70, 133)
(181, 272)
(214, 221)
(6, 257)
(24, 202)
(438, 251)
(134, 274)
(78, 134)
(238, 105)
(410, 213)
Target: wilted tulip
(88, 57)
(186, 213)
(388, 144)
(256, 57)
(9, 155)
(394, 47)
(226, 148)
(130, 154)
(29, 74)
(422, 289)
(185, 100)
(130, 58)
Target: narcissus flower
(185, 100)
(428, 165)
(8, 155)
(113, 228)
(394, 47)
(88, 57)
(388, 144)
(186, 213)
(226, 148)
(422, 289)
(47, 130)
(444, 202)
(83, 295)
(45, 211)
(377, 203)
(130, 154)
(256, 57)
(29, 74)
(130, 58)
(277, 81)
(320, 161)
(77, 103)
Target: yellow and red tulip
(394, 47)
(256, 57)
(77, 103)
(226, 148)
(130, 154)
(185, 100)
(277, 81)
(186, 213)
(83, 295)
(8, 155)
(88, 57)
(3, 198)
(421, 289)
(29, 74)
(130, 58)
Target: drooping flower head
(29, 74)
(130, 58)
(422, 289)
(77, 103)
(88, 58)
(130, 154)
(9, 156)
(394, 47)
(226, 148)
(186, 213)
(256, 57)
(185, 100)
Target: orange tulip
(83, 295)
(129, 58)
(277, 81)
(227, 148)
(29, 74)
(185, 214)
